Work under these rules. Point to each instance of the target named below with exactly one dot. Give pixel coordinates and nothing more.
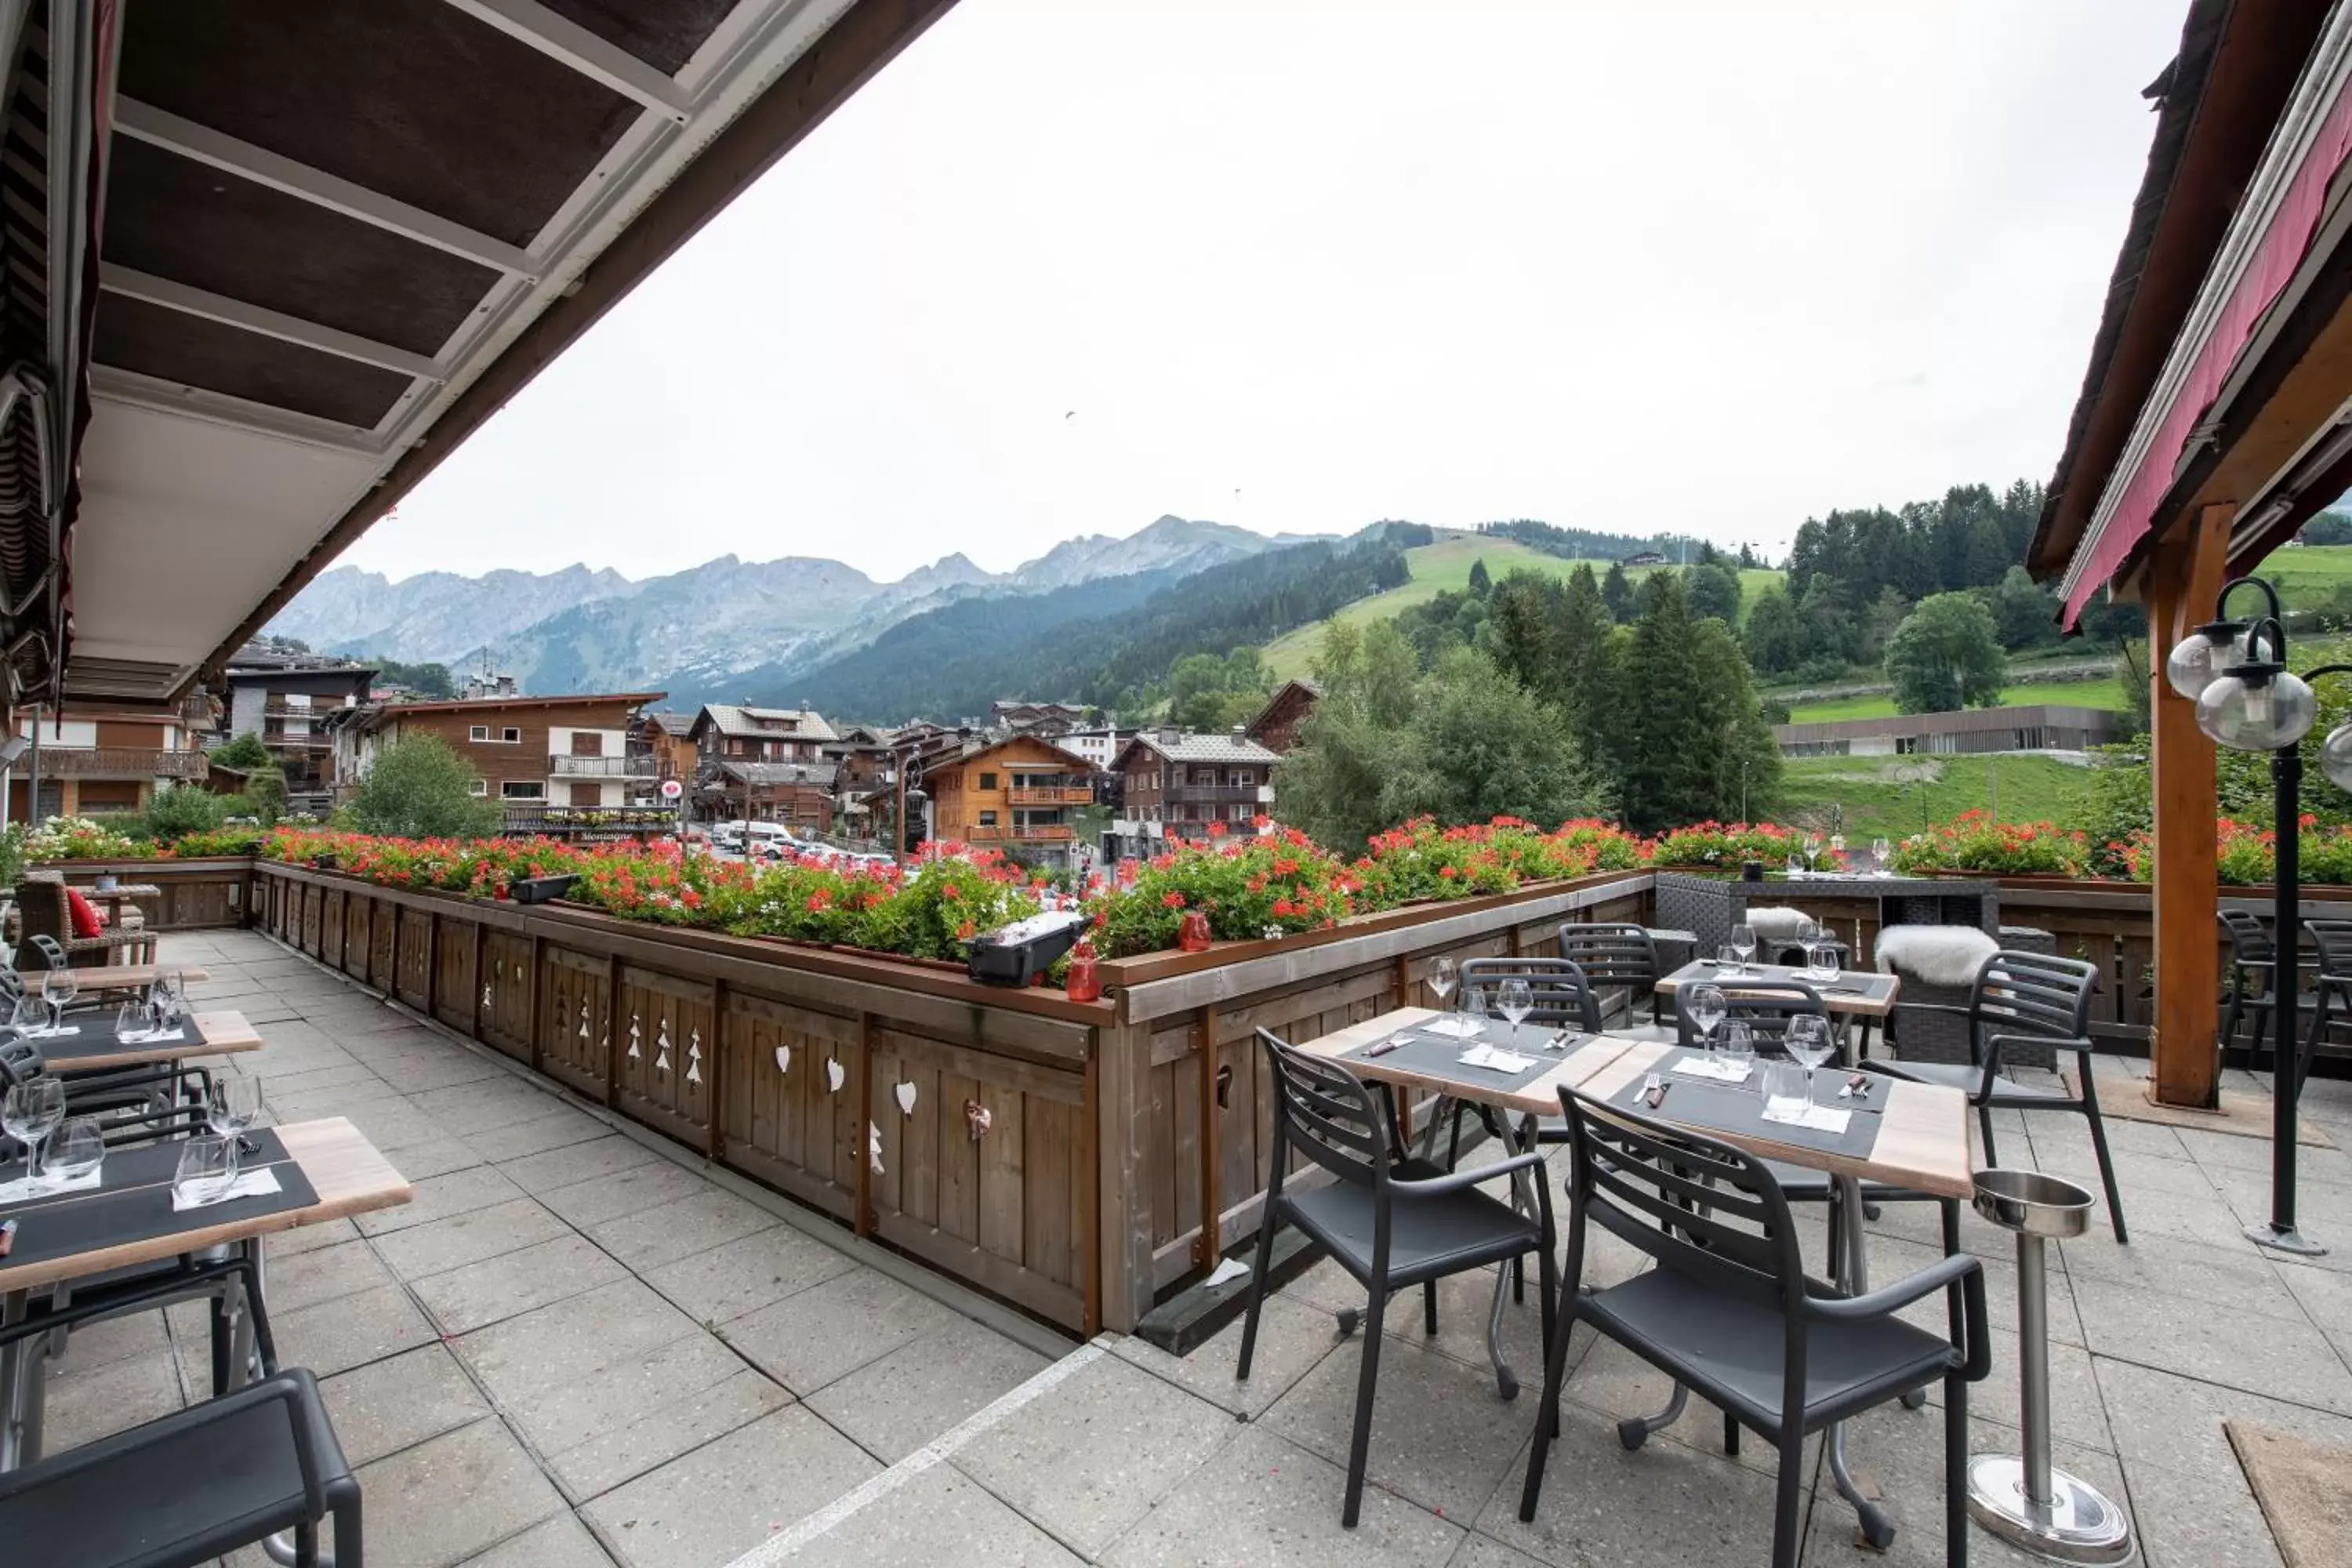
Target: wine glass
(1515, 1000)
(1442, 976)
(1821, 961)
(28, 1114)
(60, 990)
(80, 1149)
(1743, 942)
(1812, 850)
(233, 1105)
(1809, 1043)
(1707, 1007)
(1880, 852)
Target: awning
(337, 236)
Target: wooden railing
(1058, 794)
(120, 762)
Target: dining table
(1865, 996)
(1900, 1133)
(116, 976)
(325, 1170)
(94, 1044)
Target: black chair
(1764, 1005)
(1729, 1310)
(2331, 988)
(1618, 957)
(2023, 997)
(192, 1487)
(2253, 971)
(1390, 1233)
(1558, 988)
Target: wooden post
(2184, 578)
(861, 1212)
(1212, 1152)
(1123, 1208)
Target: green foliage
(12, 853)
(420, 788)
(1685, 737)
(1947, 655)
(1480, 584)
(1617, 593)
(2024, 612)
(2328, 528)
(427, 680)
(1215, 695)
(182, 809)
(1589, 545)
(244, 752)
(1713, 589)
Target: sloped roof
(765, 775)
(764, 723)
(673, 723)
(1191, 748)
(1296, 688)
(973, 751)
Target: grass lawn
(2306, 576)
(2100, 693)
(1445, 566)
(1868, 796)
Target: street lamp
(2247, 701)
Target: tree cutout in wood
(835, 1075)
(783, 1058)
(906, 1093)
(583, 1017)
(979, 1118)
(661, 1046)
(694, 1057)
(487, 1002)
(874, 1147)
(634, 1054)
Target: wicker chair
(41, 896)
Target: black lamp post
(2247, 701)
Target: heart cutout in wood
(835, 1075)
(783, 1058)
(906, 1093)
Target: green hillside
(1445, 566)
(2103, 693)
(1866, 797)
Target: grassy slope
(1438, 568)
(2103, 693)
(1874, 795)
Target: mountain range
(693, 633)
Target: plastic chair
(2331, 986)
(1618, 955)
(2029, 998)
(2252, 957)
(1729, 1310)
(1388, 1234)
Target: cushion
(1940, 955)
(83, 913)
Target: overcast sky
(1299, 265)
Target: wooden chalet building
(534, 754)
(1016, 794)
(728, 732)
(662, 736)
(287, 698)
(1277, 723)
(95, 764)
(800, 796)
(1172, 784)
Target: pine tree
(1617, 593)
(1480, 584)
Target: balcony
(296, 741)
(566, 765)
(1219, 794)
(1055, 794)
(1034, 832)
(120, 762)
(598, 821)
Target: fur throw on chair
(1938, 955)
(1775, 922)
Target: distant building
(1277, 723)
(532, 753)
(1174, 783)
(664, 736)
(286, 698)
(726, 733)
(1099, 744)
(1644, 558)
(799, 794)
(2042, 728)
(1050, 719)
(1015, 794)
(95, 763)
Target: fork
(1652, 1089)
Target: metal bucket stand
(2022, 1500)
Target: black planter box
(539, 889)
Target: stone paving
(575, 1349)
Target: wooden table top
(343, 1168)
(226, 1033)
(1923, 1130)
(1538, 1097)
(118, 976)
(1869, 993)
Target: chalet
(800, 796)
(94, 764)
(726, 733)
(1277, 723)
(1644, 558)
(663, 735)
(286, 698)
(532, 752)
(1015, 794)
(1050, 719)
(864, 755)
(1174, 783)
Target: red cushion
(86, 922)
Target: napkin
(1495, 1060)
(1458, 1026)
(248, 1185)
(1819, 1117)
(20, 1189)
(45, 1034)
(1714, 1068)
(152, 1037)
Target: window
(1238, 813)
(523, 789)
(478, 732)
(988, 819)
(510, 735)
(480, 787)
(1241, 778)
(987, 781)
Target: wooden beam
(1212, 1153)
(2183, 580)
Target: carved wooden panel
(666, 1052)
(576, 1020)
(314, 898)
(789, 1110)
(384, 937)
(331, 928)
(413, 975)
(504, 1003)
(356, 935)
(454, 984)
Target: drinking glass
(1812, 850)
(28, 1114)
(1743, 941)
(61, 989)
(1785, 1090)
(1880, 852)
(1821, 962)
(1707, 1009)
(1442, 976)
(133, 1019)
(30, 1013)
(1515, 1000)
(80, 1149)
(1809, 1042)
(233, 1105)
(207, 1169)
(1739, 1047)
(1726, 960)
